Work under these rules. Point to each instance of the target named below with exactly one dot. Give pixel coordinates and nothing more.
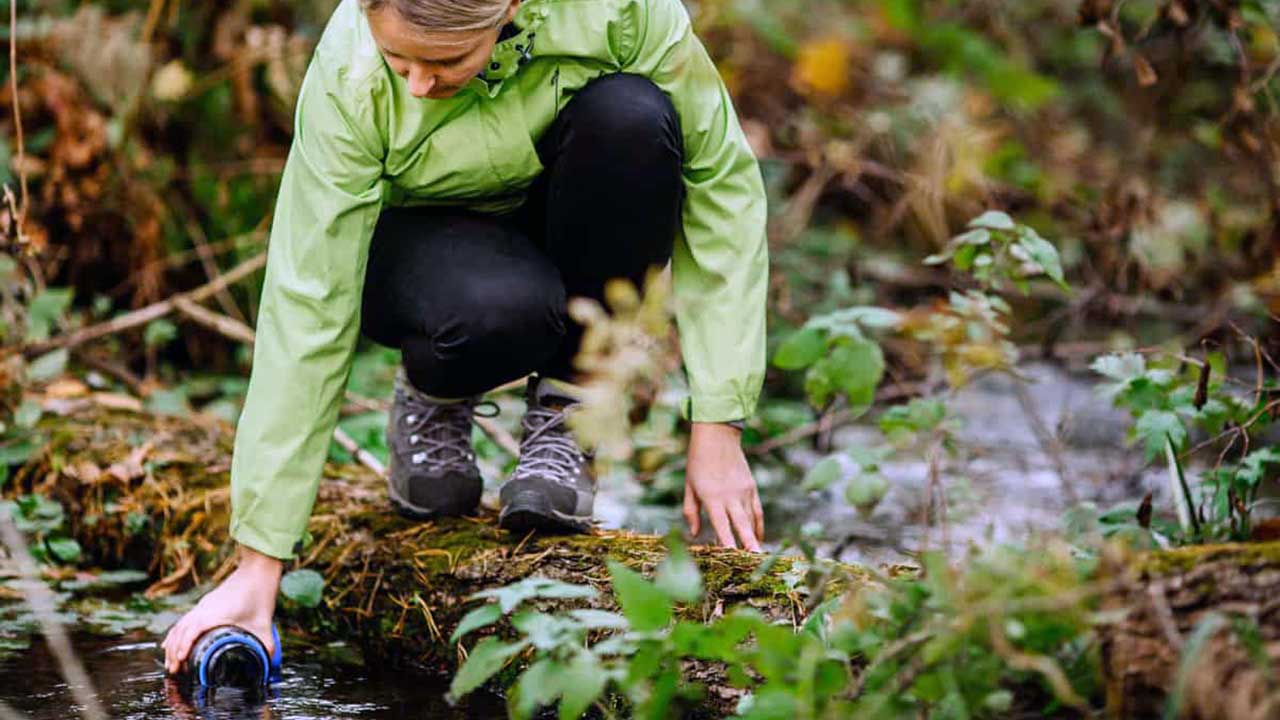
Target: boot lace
(548, 449)
(440, 433)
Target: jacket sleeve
(720, 265)
(308, 320)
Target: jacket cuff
(268, 542)
(717, 408)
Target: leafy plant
(44, 520)
(949, 643)
(1170, 399)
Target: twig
(17, 114)
(43, 607)
(230, 327)
(144, 315)
(362, 456)
(205, 253)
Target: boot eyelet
(418, 458)
(409, 419)
(413, 439)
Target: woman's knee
(494, 335)
(626, 111)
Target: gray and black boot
(433, 469)
(553, 486)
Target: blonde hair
(446, 15)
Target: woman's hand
(718, 481)
(247, 599)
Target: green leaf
(28, 414)
(64, 548)
(483, 662)
(548, 632)
(480, 617)
(1122, 367)
(854, 368)
(645, 605)
(593, 619)
(1154, 426)
(511, 596)
(800, 350)
(168, 402)
(993, 220)
(44, 311)
(583, 681)
(159, 332)
(304, 586)
(48, 366)
(827, 472)
(866, 490)
(538, 686)
(1043, 253)
(18, 452)
(678, 575)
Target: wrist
(263, 567)
(716, 430)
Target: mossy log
(1205, 619)
(151, 492)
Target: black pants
(474, 301)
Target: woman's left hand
(718, 480)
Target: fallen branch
(152, 312)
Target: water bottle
(228, 656)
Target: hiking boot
(433, 470)
(553, 487)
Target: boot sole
(531, 512)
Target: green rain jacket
(362, 142)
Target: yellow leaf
(822, 67)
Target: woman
(459, 168)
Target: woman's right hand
(247, 599)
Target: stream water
(130, 685)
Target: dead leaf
(66, 388)
(131, 467)
(1146, 73)
(117, 401)
(822, 67)
(84, 471)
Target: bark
(1172, 601)
(152, 492)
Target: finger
(692, 514)
(757, 512)
(742, 524)
(169, 639)
(183, 643)
(720, 521)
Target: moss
(1180, 560)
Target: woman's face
(434, 64)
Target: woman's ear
(511, 11)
